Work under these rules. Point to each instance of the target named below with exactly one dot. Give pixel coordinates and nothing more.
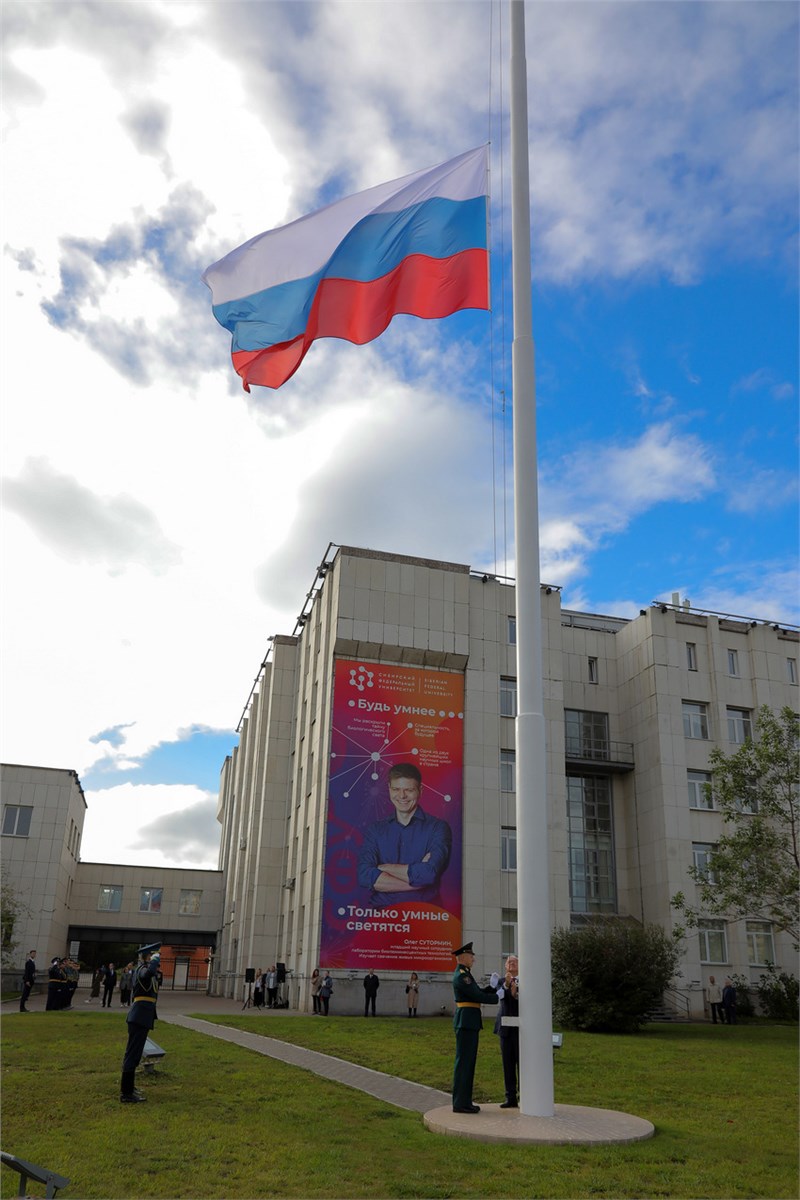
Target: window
(150, 899)
(189, 903)
(733, 662)
(592, 881)
(713, 942)
(508, 697)
(508, 932)
(593, 676)
(791, 670)
(508, 848)
(586, 734)
(695, 720)
(691, 656)
(17, 820)
(760, 944)
(508, 770)
(701, 856)
(109, 899)
(699, 785)
(739, 727)
(512, 631)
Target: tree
(754, 870)
(11, 909)
(608, 975)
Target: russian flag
(416, 245)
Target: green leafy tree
(754, 870)
(779, 995)
(608, 975)
(11, 909)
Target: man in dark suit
(508, 993)
(467, 1022)
(28, 979)
(109, 983)
(371, 985)
(141, 1018)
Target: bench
(27, 1171)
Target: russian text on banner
(416, 245)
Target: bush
(609, 974)
(745, 1008)
(778, 995)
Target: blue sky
(159, 524)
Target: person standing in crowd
(72, 974)
(316, 984)
(412, 994)
(325, 992)
(56, 981)
(141, 1018)
(97, 980)
(714, 997)
(272, 987)
(109, 983)
(258, 989)
(28, 979)
(125, 985)
(508, 995)
(729, 1002)
(467, 1022)
(371, 985)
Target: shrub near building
(609, 974)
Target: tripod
(249, 999)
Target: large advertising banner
(392, 888)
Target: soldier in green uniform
(467, 1022)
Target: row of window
(733, 663)
(695, 723)
(698, 782)
(713, 939)
(110, 900)
(712, 935)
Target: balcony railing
(600, 752)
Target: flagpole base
(570, 1125)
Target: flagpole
(533, 892)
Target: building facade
(66, 903)
(632, 709)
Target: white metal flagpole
(533, 891)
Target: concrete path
(400, 1092)
(570, 1124)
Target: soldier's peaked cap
(151, 949)
(465, 949)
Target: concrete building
(67, 903)
(396, 660)
(632, 707)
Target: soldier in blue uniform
(141, 1018)
(467, 1022)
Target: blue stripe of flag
(437, 228)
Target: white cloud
(175, 825)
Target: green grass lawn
(224, 1122)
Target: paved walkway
(400, 1092)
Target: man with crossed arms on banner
(402, 858)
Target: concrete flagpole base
(571, 1124)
